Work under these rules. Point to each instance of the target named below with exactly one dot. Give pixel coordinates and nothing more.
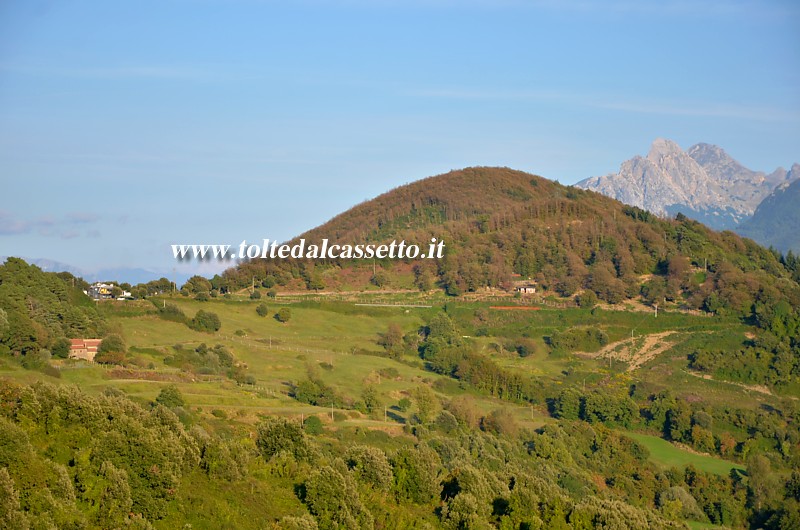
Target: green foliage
(274, 435)
(262, 310)
(112, 350)
(216, 360)
(113, 344)
(414, 472)
(370, 400)
(404, 404)
(284, 314)
(205, 321)
(196, 284)
(39, 309)
(392, 341)
(171, 312)
(170, 396)
(427, 403)
(370, 465)
(587, 339)
(313, 425)
(11, 516)
(315, 392)
(61, 348)
(587, 300)
(70, 460)
(333, 498)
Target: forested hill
(498, 223)
(40, 310)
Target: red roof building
(84, 349)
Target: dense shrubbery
(586, 339)
(101, 461)
(202, 359)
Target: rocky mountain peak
(662, 148)
(722, 167)
(704, 182)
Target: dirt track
(635, 355)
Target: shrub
(170, 397)
(205, 321)
(500, 421)
(262, 309)
(370, 465)
(112, 343)
(283, 315)
(171, 312)
(313, 425)
(61, 348)
(274, 435)
(404, 404)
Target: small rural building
(84, 349)
(525, 286)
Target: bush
(202, 296)
(61, 348)
(370, 465)
(313, 425)
(283, 315)
(274, 435)
(205, 321)
(170, 397)
(500, 421)
(112, 344)
(262, 309)
(172, 313)
(446, 422)
(587, 299)
(255, 295)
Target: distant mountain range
(776, 221)
(703, 183)
(121, 275)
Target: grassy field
(666, 454)
(337, 340)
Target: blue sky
(128, 126)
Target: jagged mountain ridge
(703, 182)
(776, 221)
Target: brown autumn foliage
(498, 223)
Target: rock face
(776, 221)
(704, 183)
